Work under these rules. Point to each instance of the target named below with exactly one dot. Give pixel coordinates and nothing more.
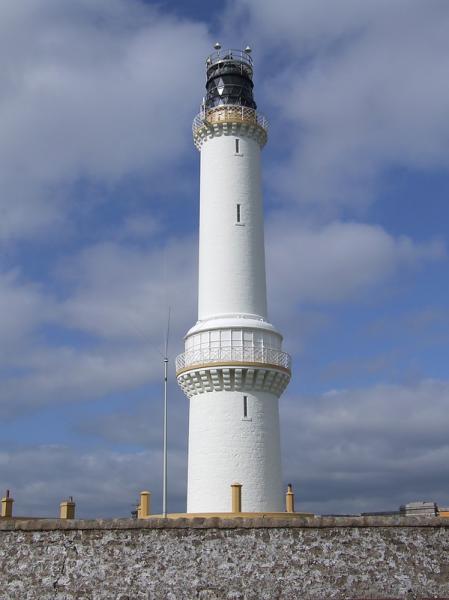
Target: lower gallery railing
(199, 356)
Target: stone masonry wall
(211, 559)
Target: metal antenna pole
(164, 484)
(164, 491)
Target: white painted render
(232, 255)
(225, 447)
(233, 351)
(232, 321)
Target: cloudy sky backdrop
(98, 234)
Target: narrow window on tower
(245, 407)
(239, 213)
(237, 146)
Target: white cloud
(124, 291)
(117, 295)
(68, 373)
(360, 90)
(92, 91)
(337, 262)
(140, 226)
(23, 308)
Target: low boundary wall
(218, 558)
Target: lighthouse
(233, 369)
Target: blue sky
(98, 234)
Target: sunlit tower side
(233, 369)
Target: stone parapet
(231, 558)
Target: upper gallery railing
(230, 56)
(229, 113)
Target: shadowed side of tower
(233, 369)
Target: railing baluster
(240, 354)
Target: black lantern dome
(229, 78)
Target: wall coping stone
(18, 524)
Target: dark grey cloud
(368, 449)
(345, 451)
(103, 483)
(141, 425)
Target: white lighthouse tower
(233, 369)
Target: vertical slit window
(245, 406)
(238, 213)
(237, 146)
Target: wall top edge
(230, 522)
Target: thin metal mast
(164, 483)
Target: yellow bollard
(290, 499)
(67, 509)
(7, 503)
(236, 492)
(144, 509)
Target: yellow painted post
(144, 509)
(236, 492)
(67, 509)
(290, 499)
(7, 503)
